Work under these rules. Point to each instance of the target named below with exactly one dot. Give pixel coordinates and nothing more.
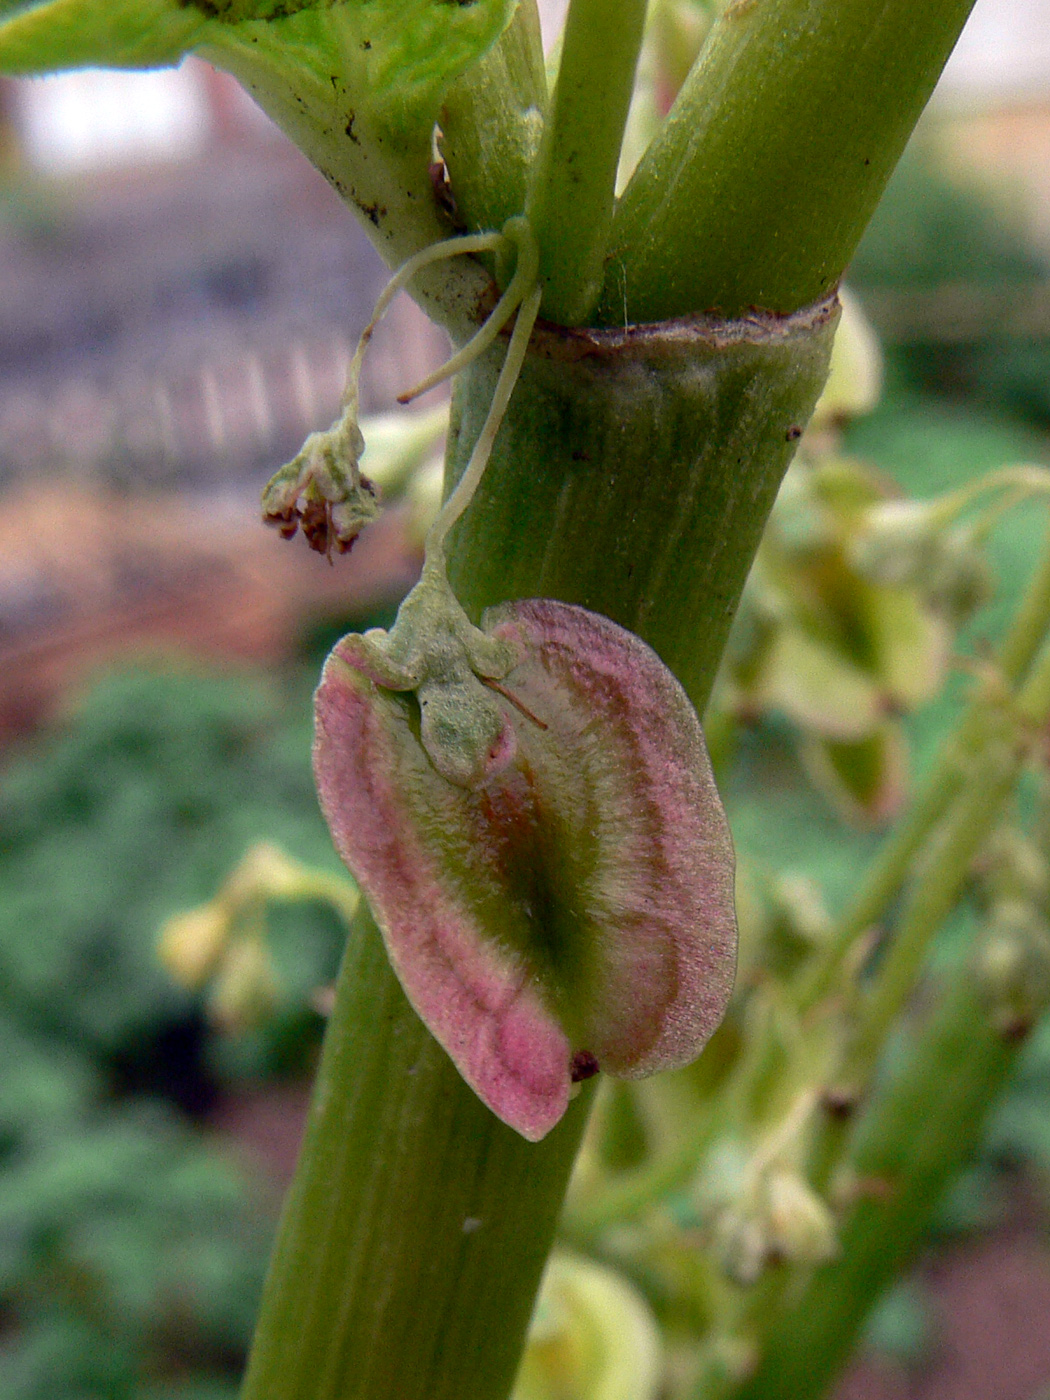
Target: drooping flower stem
(459, 499)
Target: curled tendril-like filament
(322, 488)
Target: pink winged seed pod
(574, 910)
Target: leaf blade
(81, 34)
(404, 53)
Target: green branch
(772, 160)
(491, 124)
(571, 202)
(894, 860)
(906, 1157)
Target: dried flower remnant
(323, 491)
(570, 904)
(322, 488)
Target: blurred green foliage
(928, 231)
(924, 447)
(132, 1245)
(967, 329)
(786, 835)
(139, 808)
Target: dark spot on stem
(1016, 1031)
(793, 433)
(840, 1104)
(442, 187)
(583, 1065)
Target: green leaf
(84, 33)
(401, 54)
(910, 644)
(416, 47)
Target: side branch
(772, 160)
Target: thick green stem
(635, 471)
(774, 156)
(571, 199)
(632, 473)
(415, 1232)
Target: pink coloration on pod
(573, 909)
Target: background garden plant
(632, 475)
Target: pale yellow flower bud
(800, 1226)
(245, 991)
(855, 379)
(592, 1337)
(192, 944)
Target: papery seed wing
(401, 829)
(579, 902)
(649, 890)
